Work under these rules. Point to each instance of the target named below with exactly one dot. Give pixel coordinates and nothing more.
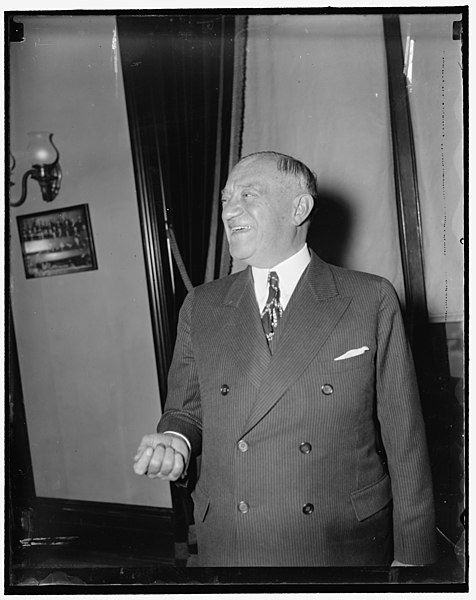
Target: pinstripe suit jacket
(359, 492)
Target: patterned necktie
(273, 310)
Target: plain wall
(84, 339)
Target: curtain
(316, 88)
(183, 103)
(179, 70)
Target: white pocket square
(352, 353)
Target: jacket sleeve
(403, 435)
(182, 412)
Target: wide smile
(240, 229)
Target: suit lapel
(311, 315)
(244, 330)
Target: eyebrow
(254, 185)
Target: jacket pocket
(201, 502)
(362, 361)
(372, 498)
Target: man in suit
(293, 381)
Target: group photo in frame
(56, 242)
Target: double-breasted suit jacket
(305, 460)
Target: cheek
(223, 220)
(275, 225)
(268, 225)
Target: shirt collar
(289, 272)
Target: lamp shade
(41, 149)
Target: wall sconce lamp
(45, 167)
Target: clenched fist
(161, 455)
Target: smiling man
(293, 381)
(265, 211)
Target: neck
(276, 261)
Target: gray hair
(291, 166)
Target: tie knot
(273, 280)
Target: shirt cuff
(184, 473)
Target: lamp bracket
(49, 178)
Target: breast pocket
(362, 361)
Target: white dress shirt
(289, 273)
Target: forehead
(255, 172)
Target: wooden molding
(99, 525)
(406, 181)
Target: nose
(232, 207)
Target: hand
(162, 456)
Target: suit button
(224, 389)
(308, 509)
(327, 389)
(243, 507)
(305, 447)
(243, 446)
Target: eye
(249, 195)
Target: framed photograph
(56, 242)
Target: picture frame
(57, 242)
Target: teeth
(239, 228)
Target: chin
(240, 257)
(239, 253)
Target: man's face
(257, 213)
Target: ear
(302, 207)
